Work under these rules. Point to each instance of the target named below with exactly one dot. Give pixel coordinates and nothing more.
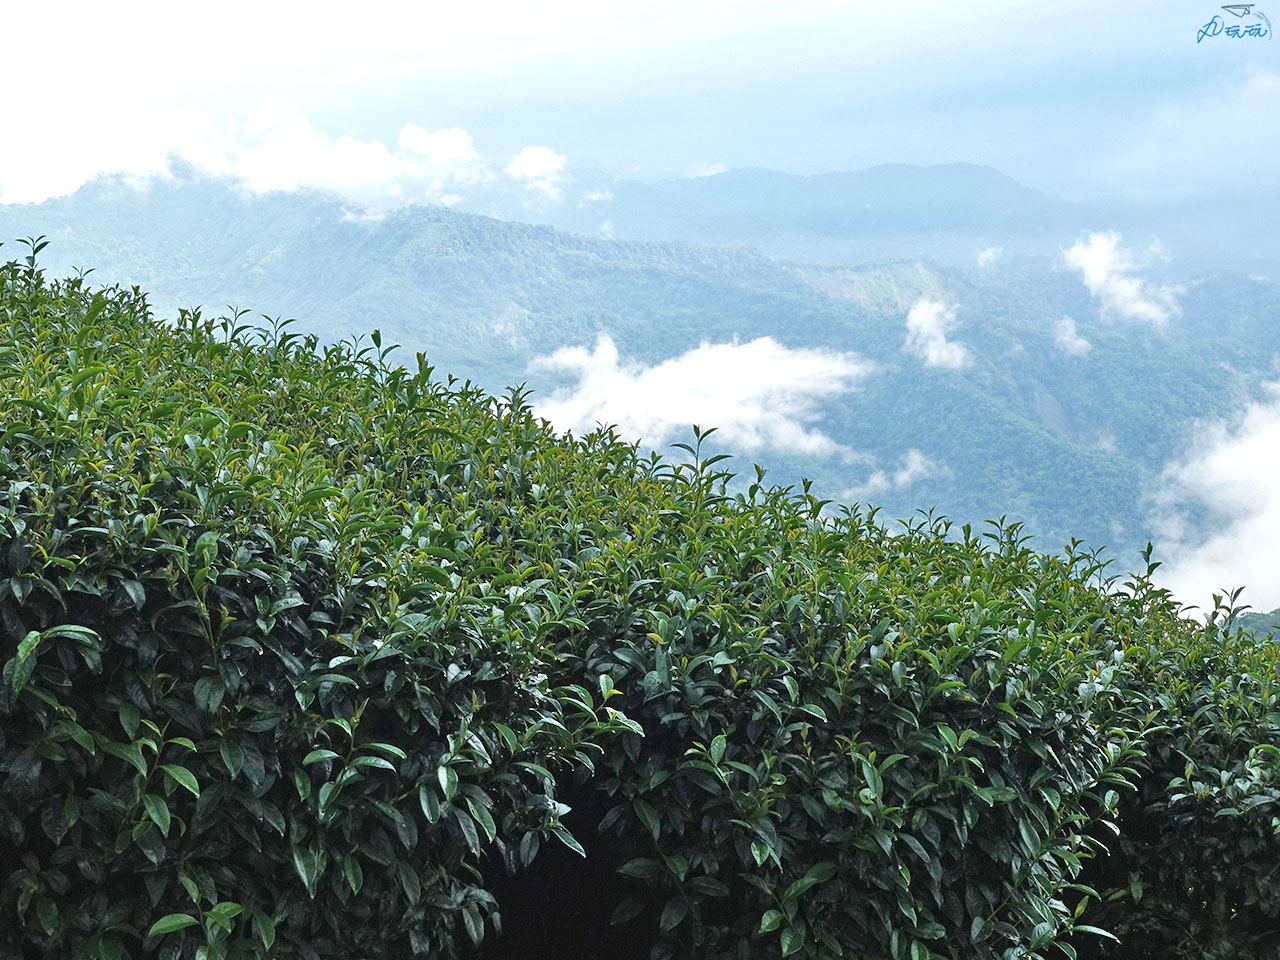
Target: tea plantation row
(310, 655)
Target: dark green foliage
(1070, 446)
(251, 692)
(1195, 871)
(306, 655)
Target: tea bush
(1195, 870)
(308, 655)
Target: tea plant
(306, 654)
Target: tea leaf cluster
(306, 654)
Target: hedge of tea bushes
(308, 655)
(1195, 870)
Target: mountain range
(975, 349)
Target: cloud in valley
(928, 323)
(913, 466)
(1227, 476)
(989, 256)
(1068, 339)
(759, 394)
(1108, 270)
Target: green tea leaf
(171, 922)
(181, 776)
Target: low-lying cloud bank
(928, 324)
(761, 395)
(279, 148)
(1068, 338)
(1108, 269)
(913, 466)
(1228, 474)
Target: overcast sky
(1077, 98)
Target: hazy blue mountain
(837, 218)
(1263, 623)
(889, 210)
(1068, 444)
(480, 296)
(948, 211)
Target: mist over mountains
(890, 210)
(911, 337)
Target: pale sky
(418, 100)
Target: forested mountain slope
(1071, 443)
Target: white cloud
(928, 323)
(597, 196)
(1069, 340)
(95, 108)
(65, 162)
(440, 160)
(759, 394)
(989, 256)
(538, 168)
(1226, 480)
(703, 168)
(129, 91)
(913, 466)
(278, 148)
(453, 145)
(289, 152)
(1107, 270)
(369, 216)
